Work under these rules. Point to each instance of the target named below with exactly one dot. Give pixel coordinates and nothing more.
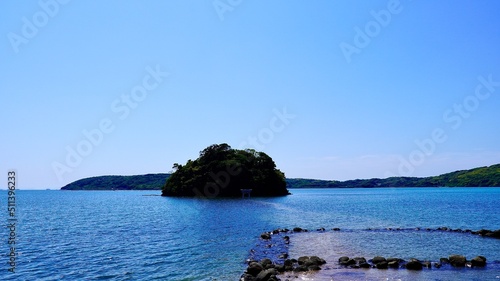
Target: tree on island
(221, 171)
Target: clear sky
(329, 89)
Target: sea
(139, 235)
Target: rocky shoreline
(270, 261)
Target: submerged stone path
(270, 261)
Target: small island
(221, 171)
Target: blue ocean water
(131, 235)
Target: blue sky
(330, 89)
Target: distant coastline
(477, 177)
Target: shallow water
(405, 244)
(125, 235)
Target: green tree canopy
(221, 171)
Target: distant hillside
(483, 176)
(478, 177)
(140, 182)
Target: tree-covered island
(221, 171)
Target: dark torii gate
(245, 193)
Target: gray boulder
(382, 265)
(266, 263)
(378, 259)
(364, 265)
(393, 264)
(457, 260)
(265, 275)
(478, 261)
(414, 265)
(254, 268)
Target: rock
(301, 268)
(336, 229)
(427, 264)
(266, 263)
(297, 229)
(254, 268)
(265, 275)
(414, 265)
(364, 265)
(393, 264)
(302, 260)
(359, 260)
(437, 265)
(247, 277)
(288, 262)
(311, 261)
(378, 259)
(317, 260)
(478, 261)
(313, 267)
(343, 259)
(346, 261)
(321, 229)
(283, 256)
(280, 268)
(265, 236)
(382, 265)
(457, 260)
(444, 260)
